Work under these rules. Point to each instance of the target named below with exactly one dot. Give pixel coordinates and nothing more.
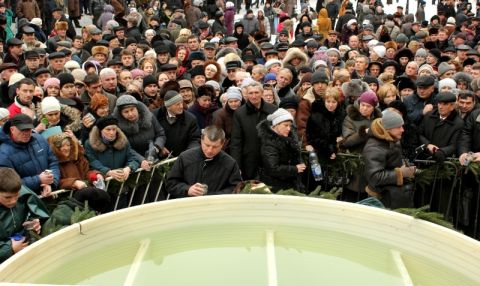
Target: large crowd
(234, 97)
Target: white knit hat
(4, 113)
(229, 4)
(279, 116)
(37, 21)
(379, 50)
(50, 104)
(14, 78)
(72, 65)
(271, 62)
(450, 82)
(234, 92)
(451, 21)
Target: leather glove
(408, 172)
(439, 156)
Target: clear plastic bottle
(315, 166)
(151, 152)
(100, 184)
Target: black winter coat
(442, 133)
(280, 156)
(469, 139)
(183, 134)
(245, 144)
(221, 174)
(323, 128)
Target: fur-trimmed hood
(144, 121)
(295, 53)
(95, 140)
(72, 115)
(75, 150)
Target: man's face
(29, 38)
(353, 42)
(465, 104)
(195, 63)
(32, 63)
(120, 34)
(320, 87)
(163, 58)
(42, 78)
(172, 75)
(16, 50)
(411, 69)
(254, 95)
(198, 80)
(442, 36)
(57, 64)
(187, 95)
(283, 79)
(125, 78)
(8, 200)
(374, 70)
(176, 109)
(62, 33)
(77, 44)
(93, 88)
(209, 53)
(193, 44)
(25, 93)
(151, 90)
(360, 64)
(231, 74)
(425, 92)
(109, 82)
(211, 148)
(445, 108)
(20, 136)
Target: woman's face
(65, 148)
(110, 132)
(283, 128)
(210, 71)
(138, 54)
(102, 111)
(181, 55)
(53, 117)
(148, 68)
(204, 101)
(234, 104)
(306, 85)
(130, 113)
(391, 96)
(162, 79)
(366, 109)
(53, 90)
(331, 104)
(268, 96)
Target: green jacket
(28, 206)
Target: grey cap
(367, 38)
(446, 97)
(172, 97)
(28, 30)
(425, 81)
(230, 40)
(463, 47)
(95, 31)
(368, 27)
(391, 119)
(14, 42)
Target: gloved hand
(439, 156)
(408, 172)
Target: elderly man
(108, 78)
(245, 145)
(423, 101)
(384, 169)
(204, 170)
(29, 155)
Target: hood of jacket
(72, 114)
(75, 151)
(95, 140)
(131, 128)
(295, 53)
(108, 8)
(379, 132)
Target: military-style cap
(95, 31)
(40, 71)
(14, 42)
(233, 65)
(114, 62)
(425, 81)
(31, 55)
(446, 97)
(6, 66)
(332, 32)
(56, 55)
(449, 49)
(209, 46)
(168, 67)
(66, 44)
(40, 51)
(298, 43)
(271, 52)
(266, 46)
(229, 40)
(473, 53)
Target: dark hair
(26, 81)
(464, 94)
(91, 79)
(10, 181)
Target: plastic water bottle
(151, 152)
(315, 166)
(99, 184)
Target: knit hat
(425, 67)
(443, 68)
(319, 63)
(234, 92)
(334, 50)
(279, 116)
(421, 53)
(401, 38)
(14, 78)
(36, 21)
(98, 100)
(229, 4)
(368, 97)
(125, 101)
(213, 84)
(351, 21)
(379, 50)
(4, 113)
(65, 78)
(50, 104)
(148, 80)
(451, 21)
(391, 119)
(103, 122)
(320, 76)
(53, 81)
(72, 65)
(172, 97)
(272, 62)
(269, 76)
(137, 73)
(79, 75)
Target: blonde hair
(332, 92)
(385, 89)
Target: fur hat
(100, 50)
(279, 116)
(354, 88)
(50, 104)
(61, 25)
(391, 45)
(103, 122)
(98, 100)
(65, 78)
(405, 82)
(463, 77)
